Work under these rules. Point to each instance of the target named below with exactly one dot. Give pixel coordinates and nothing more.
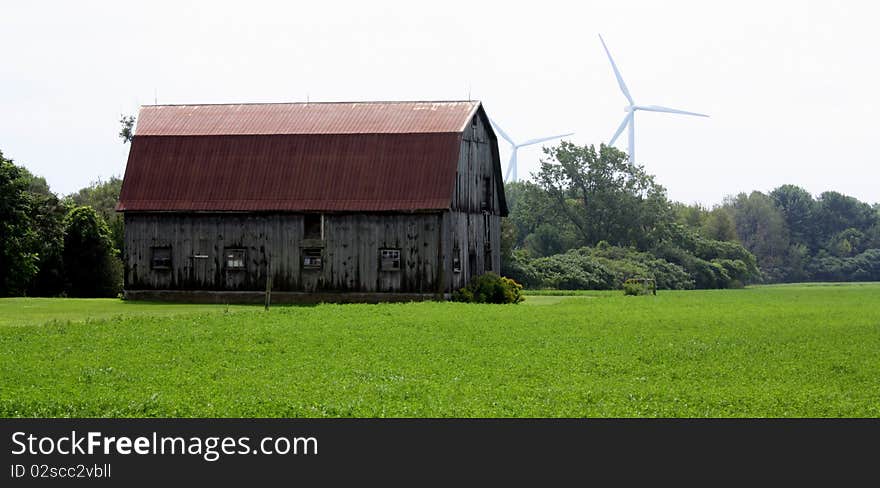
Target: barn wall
(350, 246)
(476, 171)
(477, 178)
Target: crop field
(776, 351)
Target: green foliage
(126, 133)
(756, 352)
(541, 228)
(46, 215)
(588, 204)
(636, 287)
(19, 241)
(518, 266)
(862, 267)
(490, 288)
(719, 226)
(692, 216)
(838, 212)
(90, 261)
(761, 227)
(103, 196)
(800, 212)
(574, 270)
(603, 267)
(604, 196)
(801, 238)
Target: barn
(363, 201)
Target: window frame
(228, 258)
(388, 263)
(456, 260)
(309, 254)
(154, 258)
(313, 226)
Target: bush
(519, 268)
(637, 286)
(490, 288)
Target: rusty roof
(305, 118)
(383, 156)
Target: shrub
(574, 271)
(519, 267)
(490, 288)
(637, 286)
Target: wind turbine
(511, 166)
(630, 118)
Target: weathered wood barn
(358, 201)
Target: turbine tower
(629, 120)
(511, 166)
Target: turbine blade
(502, 133)
(620, 129)
(657, 108)
(542, 139)
(620, 81)
(510, 164)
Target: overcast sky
(791, 86)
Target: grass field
(782, 351)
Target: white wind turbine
(629, 119)
(511, 166)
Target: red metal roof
(397, 156)
(305, 118)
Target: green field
(781, 351)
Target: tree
(799, 210)
(838, 212)
(719, 225)
(762, 230)
(46, 213)
(103, 196)
(604, 196)
(90, 261)
(126, 133)
(539, 227)
(694, 216)
(18, 240)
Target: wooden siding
(350, 246)
(465, 227)
(476, 171)
(469, 241)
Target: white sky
(792, 86)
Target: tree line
(592, 220)
(51, 246)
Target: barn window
(456, 260)
(389, 259)
(235, 259)
(161, 258)
(313, 226)
(313, 258)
